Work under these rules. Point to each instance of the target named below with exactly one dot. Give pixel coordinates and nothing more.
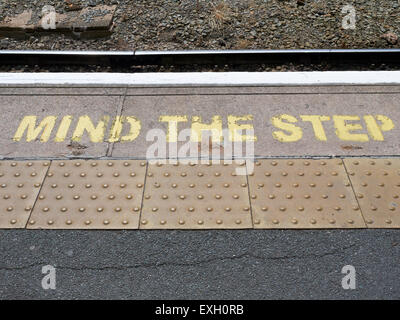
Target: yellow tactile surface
(376, 183)
(195, 196)
(20, 182)
(303, 194)
(90, 195)
(133, 194)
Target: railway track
(342, 58)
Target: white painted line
(206, 78)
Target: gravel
(218, 24)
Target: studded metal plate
(20, 182)
(303, 194)
(91, 194)
(195, 196)
(376, 183)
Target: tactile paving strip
(20, 182)
(302, 194)
(104, 194)
(195, 196)
(376, 183)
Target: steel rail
(199, 57)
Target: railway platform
(298, 150)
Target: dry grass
(243, 44)
(220, 13)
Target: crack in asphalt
(185, 264)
